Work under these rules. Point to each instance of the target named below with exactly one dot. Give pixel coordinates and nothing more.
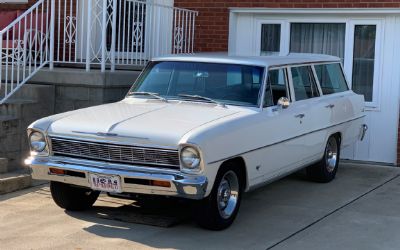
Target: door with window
(359, 44)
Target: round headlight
(190, 158)
(37, 141)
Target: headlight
(190, 158)
(37, 142)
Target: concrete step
(3, 165)
(14, 181)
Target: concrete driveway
(360, 209)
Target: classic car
(205, 127)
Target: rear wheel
(72, 198)
(325, 170)
(219, 209)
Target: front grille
(116, 153)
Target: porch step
(3, 165)
(14, 181)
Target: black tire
(325, 170)
(207, 212)
(72, 198)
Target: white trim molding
(316, 10)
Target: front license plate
(106, 183)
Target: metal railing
(90, 33)
(24, 48)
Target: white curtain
(270, 39)
(319, 38)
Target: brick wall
(212, 22)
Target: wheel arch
(240, 163)
(338, 135)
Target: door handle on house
(300, 116)
(330, 106)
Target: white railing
(120, 32)
(101, 34)
(24, 48)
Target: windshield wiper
(199, 97)
(155, 95)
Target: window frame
(319, 83)
(287, 85)
(283, 47)
(310, 65)
(376, 87)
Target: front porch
(90, 34)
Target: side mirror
(283, 102)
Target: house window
(270, 39)
(319, 38)
(364, 60)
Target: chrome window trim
(310, 65)
(342, 71)
(288, 91)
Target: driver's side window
(276, 87)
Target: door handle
(330, 106)
(300, 116)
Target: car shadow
(169, 223)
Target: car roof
(265, 61)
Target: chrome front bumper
(182, 185)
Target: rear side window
(303, 83)
(331, 78)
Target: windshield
(204, 82)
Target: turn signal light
(57, 171)
(161, 183)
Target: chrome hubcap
(331, 152)
(227, 194)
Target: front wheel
(325, 170)
(72, 198)
(219, 209)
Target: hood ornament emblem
(106, 134)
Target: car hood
(150, 122)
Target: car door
(283, 126)
(342, 103)
(311, 115)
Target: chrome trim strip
(110, 135)
(292, 138)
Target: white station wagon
(205, 127)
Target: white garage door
(365, 43)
